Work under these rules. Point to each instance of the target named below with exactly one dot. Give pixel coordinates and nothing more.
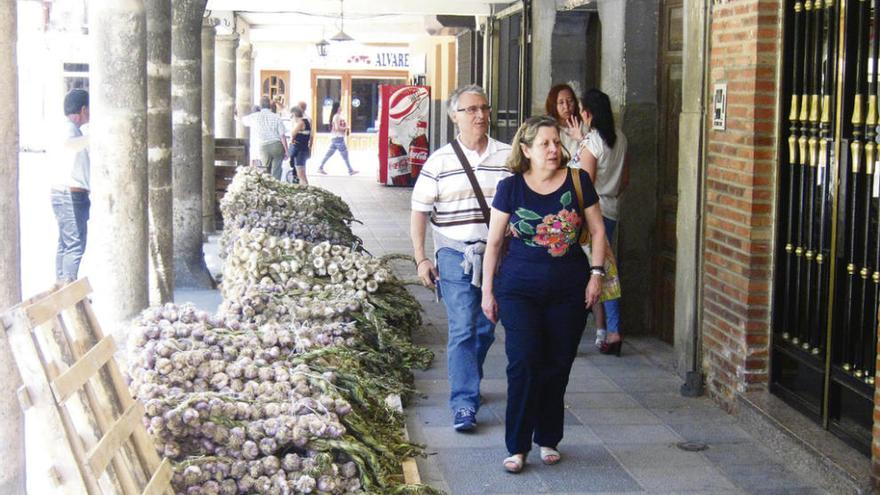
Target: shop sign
(392, 59)
(365, 56)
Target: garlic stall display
(256, 200)
(283, 390)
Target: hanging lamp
(341, 35)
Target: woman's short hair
(517, 162)
(296, 111)
(553, 95)
(452, 107)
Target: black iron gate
(828, 261)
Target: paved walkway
(624, 419)
(624, 416)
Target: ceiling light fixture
(322, 45)
(341, 35)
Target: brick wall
(745, 42)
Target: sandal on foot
(550, 456)
(514, 464)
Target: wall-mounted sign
(719, 107)
(392, 59)
(364, 56)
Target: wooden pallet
(89, 436)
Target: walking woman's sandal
(514, 464)
(550, 456)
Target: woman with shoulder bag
(545, 284)
(602, 154)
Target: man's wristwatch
(597, 270)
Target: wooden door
(276, 85)
(669, 87)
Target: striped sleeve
(426, 190)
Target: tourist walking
(301, 143)
(602, 154)
(544, 285)
(70, 178)
(338, 132)
(270, 135)
(454, 181)
(562, 105)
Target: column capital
(210, 22)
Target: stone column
(691, 127)
(159, 150)
(186, 161)
(543, 20)
(12, 478)
(208, 35)
(224, 119)
(244, 95)
(118, 152)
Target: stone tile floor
(624, 418)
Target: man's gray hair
(452, 107)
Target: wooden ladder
(89, 435)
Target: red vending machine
(403, 133)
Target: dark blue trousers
(542, 309)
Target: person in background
(271, 136)
(545, 284)
(70, 172)
(444, 194)
(562, 105)
(307, 118)
(338, 132)
(602, 154)
(299, 144)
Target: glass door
(328, 92)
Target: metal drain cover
(692, 446)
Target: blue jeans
(338, 144)
(72, 213)
(542, 309)
(470, 332)
(612, 307)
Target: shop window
(76, 76)
(365, 103)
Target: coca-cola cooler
(404, 112)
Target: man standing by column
(69, 162)
(271, 135)
(443, 193)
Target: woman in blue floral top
(536, 292)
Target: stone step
(807, 448)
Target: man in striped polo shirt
(444, 195)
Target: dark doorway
(669, 87)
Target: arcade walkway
(624, 415)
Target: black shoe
(613, 348)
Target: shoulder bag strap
(576, 181)
(478, 191)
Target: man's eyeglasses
(474, 109)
